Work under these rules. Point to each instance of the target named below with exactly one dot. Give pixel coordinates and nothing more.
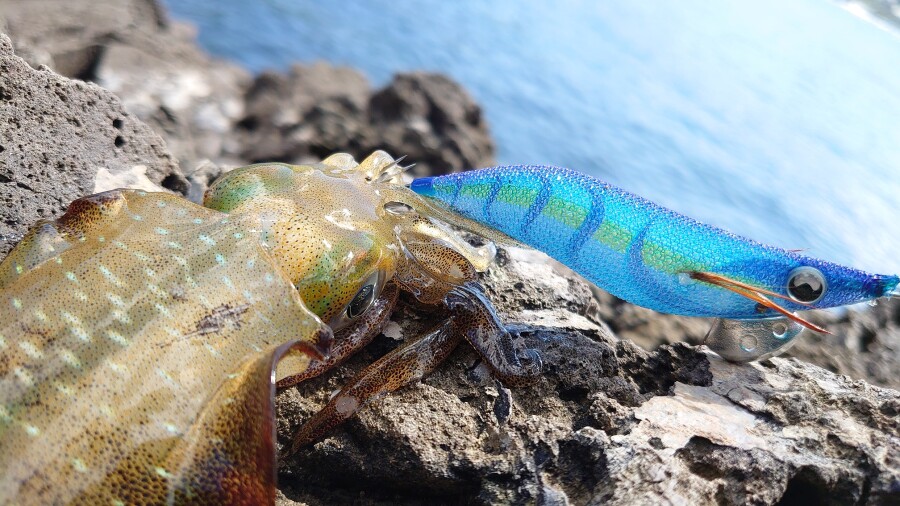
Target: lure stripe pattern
(634, 248)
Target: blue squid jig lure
(656, 258)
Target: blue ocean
(776, 120)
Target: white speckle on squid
(220, 259)
(70, 359)
(269, 277)
(107, 411)
(121, 316)
(112, 278)
(198, 221)
(116, 367)
(5, 417)
(31, 350)
(19, 269)
(159, 292)
(171, 428)
(180, 260)
(160, 203)
(165, 375)
(238, 235)
(346, 404)
(207, 239)
(32, 431)
(175, 245)
(71, 277)
(136, 217)
(79, 465)
(173, 332)
(70, 318)
(79, 332)
(251, 263)
(120, 245)
(327, 244)
(81, 296)
(228, 282)
(58, 260)
(40, 315)
(162, 472)
(162, 231)
(2, 342)
(117, 338)
(23, 376)
(214, 352)
(163, 310)
(115, 299)
(17, 303)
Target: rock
(432, 120)
(74, 35)
(318, 109)
(607, 422)
(207, 109)
(57, 134)
(152, 64)
(305, 115)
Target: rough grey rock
(130, 48)
(434, 121)
(306, 114)
(318, 109)
(607, 423)
(56, 135)
(71, 37)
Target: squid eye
(361, 301)
(806, 284)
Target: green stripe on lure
(656, 258)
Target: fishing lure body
(652, 256)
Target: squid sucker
(142, 336)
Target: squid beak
(757, 295)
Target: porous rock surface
(607, 422)
(56, 135)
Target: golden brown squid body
(139, 333)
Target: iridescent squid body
(139, 333)
(142, 336)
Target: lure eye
(806, 284)
(361, 301)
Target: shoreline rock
(57, 135)
(209, 109)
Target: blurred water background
(777, 120)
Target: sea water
(777, 120)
